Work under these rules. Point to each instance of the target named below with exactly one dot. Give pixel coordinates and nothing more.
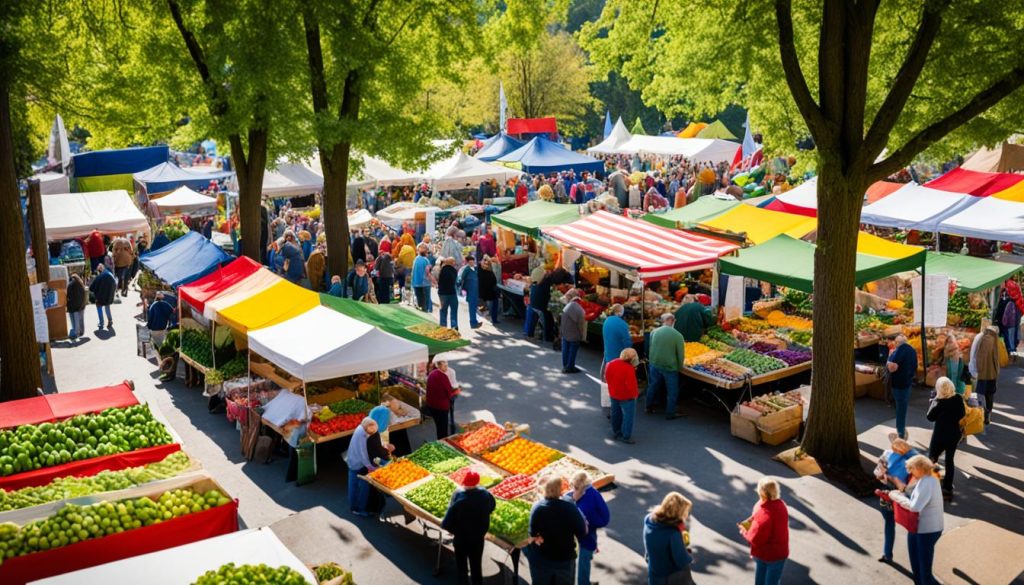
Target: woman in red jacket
(439, 397)
(620, 375)
(767, 531)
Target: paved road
(835, 538)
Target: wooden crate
(744, 428)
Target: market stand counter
(51, 407)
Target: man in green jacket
(693, 319)
(666, 357)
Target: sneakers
(626, 441)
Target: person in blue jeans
(666, 360)
(902, 366)
(421, 279)
(891, 470)
(469, 281)
(447, 291)
(595, 511)
(359, 463)
(103, 288)
(573, 329)
(926, 500)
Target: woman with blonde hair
(668, 560)
(767, 531)
(891, 470)
(946, 410)
(926, 500)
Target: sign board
(936, 299)
(39, 313)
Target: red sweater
(439, 390)
(621, 379)
(769, 531)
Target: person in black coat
(77, 299)
(103, 288)
(468, 519)
(946, 411)
(448, 292)
(488, 289)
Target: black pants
(440, 422)
(471, 554)
(986, 389)
(949, 448)
(385, 290)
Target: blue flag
(607, 124)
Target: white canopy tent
(184, 200)
(359, 218)
(461, 171)
(694, 149)
(990, 219)
(291, 180)
(915, 207)
(803, 195)
(403, 211)
(379, 173)
(51, 183)
(73, 215)
(338, 346)
(611, 145)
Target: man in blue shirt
(357, 283)
(902, 366)
(159, 319)
(421, 279)
(469, 281)
(294, 263)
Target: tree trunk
(19, 352)
(249, 170)
(335, 211)
(831, 435)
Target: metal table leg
(516, 553)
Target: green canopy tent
(716, 129)
(972, 274)
(789, 262)
(393, 319)
(700, 210)
(529, 218)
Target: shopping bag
(606, 400)
(1004, 357)
(904, 517)
(974, 421)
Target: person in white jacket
(925, 499)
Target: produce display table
(51, 407)
(513, 298)
(88, 467)
(754, 380)
(401, 426)
(184, 564)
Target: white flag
(502, 106)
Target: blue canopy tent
(184, 260)
(541, 155)
(103, 170)
(498, 146)
(166, 177)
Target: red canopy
(51, 407)
(960, 180)
(209, 286)
(652, 251)
(777, 205)
(519, 126)
(881, 190)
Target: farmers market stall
(509, 466)
(989, 219)
(704, 208)
(186, 563)
(184, 201)
(399, 321)
(915, 207)
(758, 225)
(184, 260)
(76, 215)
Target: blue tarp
(168, 177)
(184, 260)
(118, 162)
(498, 146)
(541, 155)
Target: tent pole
(924, 329)
(643, 316)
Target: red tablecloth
(89, 553)
(50, 407)
(87, 467)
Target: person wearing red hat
(468, 519)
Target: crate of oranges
(522, 456)
(398, 474)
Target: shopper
(389, 409)
(294, 262)
(926, 500)
(123, 255)
(76, 301)
(693, 319)
(984, 367)
(666, 360)
(488, 288)
(595, 511)
(315, 265)
(954, 363)
(767, 531)
(891, 470)
(438, 399)
(668, 560)
(469, 282)
(422, 279)
(159, 319)
(360, 463)
(902, 366)
(468, 519)
(573, 330)
(555, 525)
(385, 287)
(97, 251)
(159, 241)
(447, 291)
(615, 333)
(441, 361)
(946, 410)
(1010, 320)
(357, 283)
(620, 375)
(103, 288)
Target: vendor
(693, 319)
(390, 409)
(439, 398)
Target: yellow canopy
(279, 302)
(692, 130)
(1014, 193)
(761, 225)
(255, 283)
(876, 246)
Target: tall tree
(875, 84)
(370, 63)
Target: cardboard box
(744, 428)
(780, 434)
(57, 323)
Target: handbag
(904, 517)
(974, 421)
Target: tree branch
(315, 59)
(939, 129)
(903, 85)
(218, 102)
(831, 66)
(809, 109)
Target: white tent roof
(619, 136)
(183, 200)
(51, 183)
(803, 195)
(378, 172)
(990, 219)
(359, 218)
(291, 180)
(694, 149)
(72, 215)
(321, 344)
(403, 211)
(915, 207)
(461, 171)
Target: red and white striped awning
(651, 251)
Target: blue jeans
(494, 307)
(545, 572)
(583, 566)
(77, 323)
(1010, 339)
(473, 300)
(358, 491)
(569, 349)
(901, 396)
(890, 532)
(450, 306)
(99, 313)
(922, 550)
(423, 298)
(656, 379)
(766, 573)
(623, 412)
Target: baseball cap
(472, 479)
